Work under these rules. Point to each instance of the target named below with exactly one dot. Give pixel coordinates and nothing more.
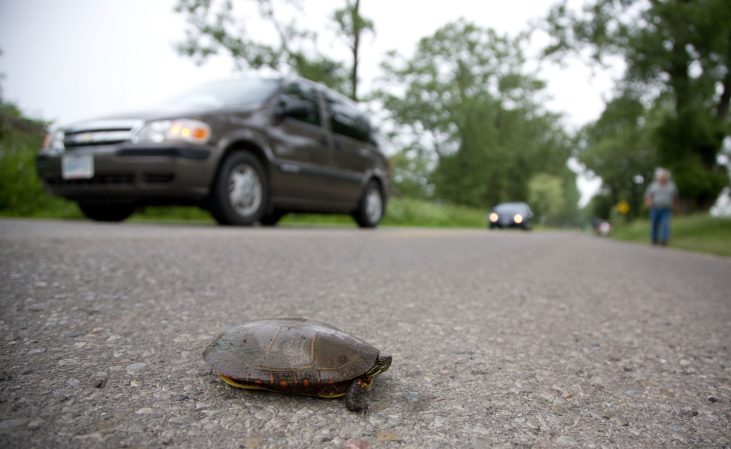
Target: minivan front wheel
(240, 192)
(370, 208)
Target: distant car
(510, 215)
(248, 150)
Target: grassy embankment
(401, 212)
(407, 212)
(21, 192)
(700, 232)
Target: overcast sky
(75, 59)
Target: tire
(272, 218)
(370, 206)
(107, 212)
(240, 192)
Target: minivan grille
(96, 137)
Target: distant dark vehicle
(511, 215)
(248, 150)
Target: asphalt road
(499, 339)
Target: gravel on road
(499, 339)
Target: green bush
(21, 191)
(412, 212)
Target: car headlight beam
(493, 217)
(518, 219)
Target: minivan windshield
(226, 93)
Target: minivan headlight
(54, 141)
(187, 130)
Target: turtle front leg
(355, 395)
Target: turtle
(299, 356)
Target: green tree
(600, 206)
(620, 148)
(213, 26)
(546, 197)
(410, 170)
(21, 191)
(570, 215)
(352, 26)
(466, 99)
(2, 78)
(679, 53)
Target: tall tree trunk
(357, 29)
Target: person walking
(660, 197)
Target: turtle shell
(291, 354)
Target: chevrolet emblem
(85, 138)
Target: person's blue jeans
(660, 224)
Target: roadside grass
(402, 212)
(699, 232)
(412, 212)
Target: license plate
(79, 166)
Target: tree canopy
(466, 99)
(678, 55)
(620, 147)
(214, 25)
(468, 116)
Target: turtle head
(382, 363)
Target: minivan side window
(308, 94)
(348, 121)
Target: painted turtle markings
(297, 356)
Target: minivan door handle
(323, 141)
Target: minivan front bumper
(128, 172)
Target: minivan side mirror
(292, 107)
